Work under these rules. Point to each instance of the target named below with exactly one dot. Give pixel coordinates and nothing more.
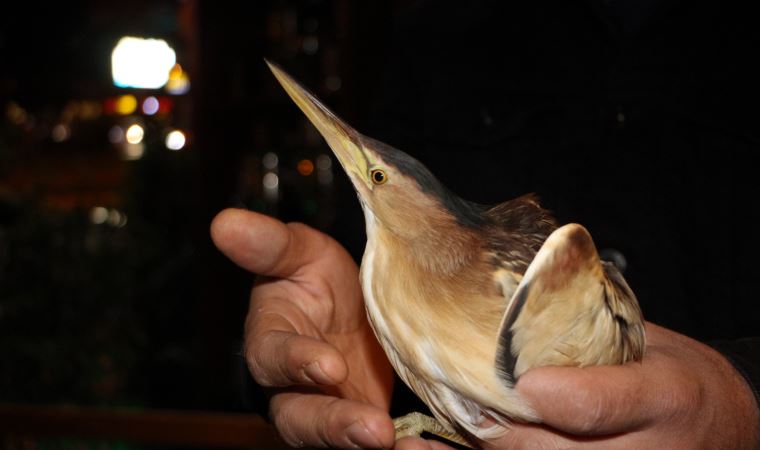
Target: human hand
(306, 327)
(682, 395)
(307, 334)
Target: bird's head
(397, 192)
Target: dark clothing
(644, 129)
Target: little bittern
(465, 298)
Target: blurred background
(125, 127)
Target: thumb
(597, 400)
(264, 245)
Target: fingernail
(359, 435)
(314, 373)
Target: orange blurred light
(305, 167)
(126, 104)
(176, 72)
(179, 82)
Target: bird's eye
(378, 176)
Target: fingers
(592, 400)
(281, 358)
(616, 399)
(265, 245)
(324, 421)
(415, 443)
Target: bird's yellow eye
(378, 176)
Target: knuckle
(282, 416)
(298, 423)
(259, 356)
(274, 360)
(259, 374)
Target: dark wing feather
(516, 230)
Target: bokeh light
(270, 161)
(305, 167)
(324, 170)
(150, 106)
(116, 135)
(324, 162)
(271, 181)
(98, 215)
(135, 134)
(60, 132)
(175, 140)
(141, 63)
(126, 104)
(16, 113)
(179, 82)
(131, 152)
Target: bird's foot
(414, 424)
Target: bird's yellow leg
(414, 424)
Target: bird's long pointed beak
(342, 139)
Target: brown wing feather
(516, 230)
(569, 309)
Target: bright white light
(135, 134)
(141, 63)
(175, 140)
(150, 105)
(271, 181)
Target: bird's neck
(435, 246)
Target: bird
(464, 298)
